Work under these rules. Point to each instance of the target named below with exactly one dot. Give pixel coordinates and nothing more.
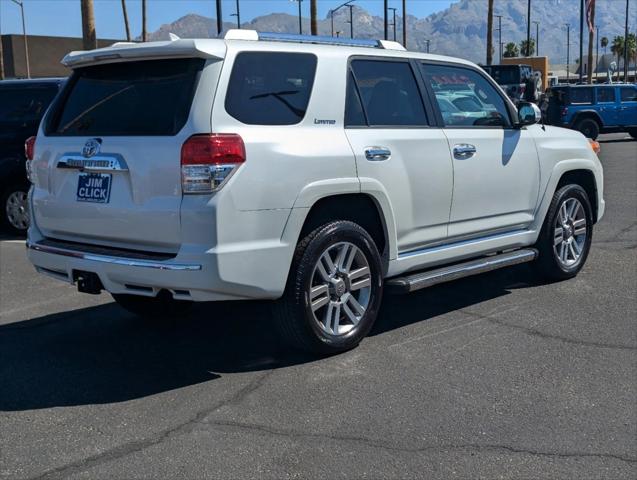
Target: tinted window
(25, 104)
(389, 93)
(354, 115)
(129, 98)
(628, 94)
(505, 75)
(605, 94)
(268, 88)
(465, 97)
(581, 96)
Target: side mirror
(528, 113)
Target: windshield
(151, 97)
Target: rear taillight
(208, 161)
(29, 152)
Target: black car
(22, 105)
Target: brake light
(29, 148)
(208, 161)
(29, 152)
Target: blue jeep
(594, 109)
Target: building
(45, 54)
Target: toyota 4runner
(307, 170)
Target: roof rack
(235, 34)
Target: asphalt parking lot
(496, 376)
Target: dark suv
(594, 109)
(22, 105)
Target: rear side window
(581, 96)
(628, 94)
(605, 94)
(25, 104)
(270, 88)
(389, 93)
(151, 97)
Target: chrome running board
(416, 281)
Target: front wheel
(589, 128)
(566, 235)
(334, 290)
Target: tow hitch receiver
(87, 282)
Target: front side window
(389, 93)
(628, 94)
(466, 98)
(270, 88)
(605, 94)
(581, 96)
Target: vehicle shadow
(104, 355)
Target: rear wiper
(279, 96)
(93, 107)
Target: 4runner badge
(324, 122)
(92, 147)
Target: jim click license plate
(94, 187)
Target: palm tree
(490, 33)
(604, 43)
(531, 49)
(617, 48)
(511, 50)
(313, 15)
(89, 37)
(126, 20)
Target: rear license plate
(94, 187)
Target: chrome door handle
(464, 150)
(377, 154)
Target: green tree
(527, 52)
(511, 50)
(617, 48)
(604, 43)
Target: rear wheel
(160, 307)
(588, 127)
(566, 235)
(334, 290)
(15, 209)
(633, 133)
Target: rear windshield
(151, 97)
(505, 75)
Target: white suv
(308, 170)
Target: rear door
(495, 166)
(607, 105)
(107, 169)
(388, 125)
(628, 106)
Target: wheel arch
(585, 178)
(587, 114)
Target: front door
(397, 152)
(496, 172)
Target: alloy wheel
(570, 232)
(17, 210)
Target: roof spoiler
(129, 51)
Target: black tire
(13, 223)
(588, 127)
(549, 263)
(294, 318)
(633, 133)
(162, 307)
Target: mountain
(459, 30)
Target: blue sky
(62, 17)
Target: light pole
(405, 23)
(238, 15)
(537, 39)
(351, 20)
(626, 60)
(427, 42)
(386, 29)
(499, 17)
(219, 18)
(596, 54)
(24, 34)
(300, 16)
(528, 29)
(334, 10)
(568, 52)
(394, 24)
